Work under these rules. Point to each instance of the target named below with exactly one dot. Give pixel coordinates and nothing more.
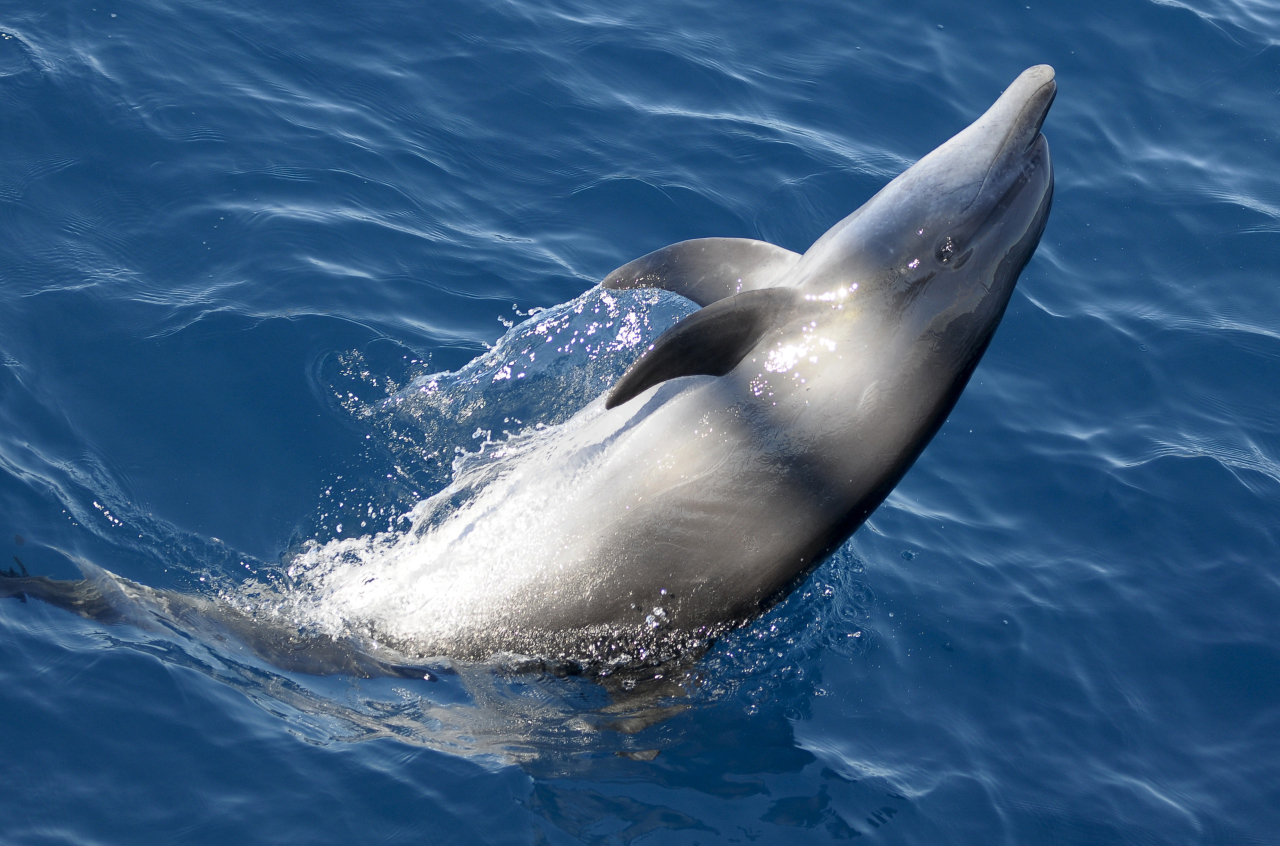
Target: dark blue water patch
(186, 442)
(167, 761)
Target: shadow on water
(553, 722)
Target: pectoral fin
(710, 342)
(707, 270)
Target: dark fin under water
(112, 600)
(79, 596)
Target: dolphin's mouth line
(1035, 136)
(975, 230)
(1013, 128)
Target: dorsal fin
(710, 342)
(706, 270)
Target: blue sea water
(228, 231)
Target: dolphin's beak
(1022, 107)
(994, 172)
(1005, 135)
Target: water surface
(229, 231)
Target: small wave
(15, 55)
(1256, 18)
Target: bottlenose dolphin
(747, 443)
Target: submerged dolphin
(747, 443)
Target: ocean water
(229, 232)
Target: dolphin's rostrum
(747, 443)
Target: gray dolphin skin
(747, 443)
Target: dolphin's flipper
(710, 342)
(707, 270)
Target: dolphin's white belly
(595, 523)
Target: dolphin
(743, 446)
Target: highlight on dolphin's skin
(747, 443)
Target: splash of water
(489, 531)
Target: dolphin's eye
(946, 250)
(949, 253)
